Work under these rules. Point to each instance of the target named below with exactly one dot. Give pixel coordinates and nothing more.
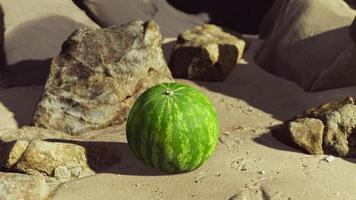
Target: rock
(205, 53)
(31, 40)
(20, 186)
(7, 120)
(308, 42)
(308, 134)
(55, 154)
(50, 157)
(99, 74)
(332, 123)
(172, 21)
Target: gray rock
(308, 42)
(55, 154)
(31, 40)
(99, 74)
(20, 186)
(332, 123)
(205, 53)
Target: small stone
(262, 172)
(329, 158)
(62, 172)
(7, 119)
(308, 134)
(45, 157)
(206, 53)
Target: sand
(248, 162)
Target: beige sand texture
(249, 163)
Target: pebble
(329, 158)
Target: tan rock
(50, 157)
(332, 122)
(308, 134)
(20, 186)
(98, 76)
(205, 53)
(56, 154)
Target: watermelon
(173, 127)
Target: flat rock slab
(326, 129)
(21, 186)
(98, 76)
(205, 53)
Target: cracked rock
(99, 74)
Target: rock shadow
(112, 157)
(239, 15)
(30, 48)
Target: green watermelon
(173, 127)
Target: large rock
(171, 21)
(55, 154)
(32, 39)
(205, 53)
(99, 74)
(329, 128)
(20, 186)
(308, 42)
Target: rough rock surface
(330, 126)
(308, 42)
(52, 153)
(308, 134)
(172, 21)
(7, 120)
(25, 187)
(31, 40)
(98, 76)
(205, 53)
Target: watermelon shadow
(112, 157)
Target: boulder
(7, 119)
(99, 74)
(109, 12)
(308, 42)
(55, 154)
(328, 128)
(21, 186)
(31, 40)
(205, 53)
